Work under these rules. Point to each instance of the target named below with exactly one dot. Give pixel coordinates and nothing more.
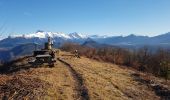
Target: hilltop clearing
(79, 78)
(37, 83)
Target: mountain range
(40, 37)
(16, 44)
(59, 37)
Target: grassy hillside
(78, 78)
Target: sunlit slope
(77, 79)
(37, 83)
(107, 81)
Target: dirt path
(74, 79)
(80, 86)
(62, 82)
(109, 82)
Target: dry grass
(107, 81)
(61, 81)
(104, 81)
(38, 83)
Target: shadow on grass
(11, 67)
(159, 89)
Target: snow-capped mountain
(40, 37)
(99, 36)
(42, 34)
(59, 38)
(17, 45)
(76, 35)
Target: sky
(100, 17)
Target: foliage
(143, 59)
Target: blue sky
(102, 17)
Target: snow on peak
(42, 34)
(37, 34)
(77, 35)
(99, 36)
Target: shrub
(142, 59)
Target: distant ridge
(59, 38)
(18, 45)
